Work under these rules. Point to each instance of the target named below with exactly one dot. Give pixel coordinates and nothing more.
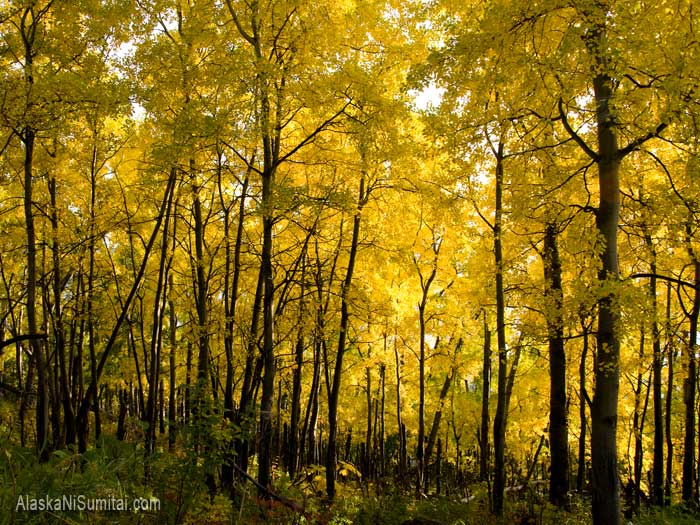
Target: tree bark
(172, 415)
(558, 423)
(59, 335)
(690, 387)
(425, 283)
(334, 396)
(499, 422)
(669, 400)
(485, 395)
(657, 488)
(583, 401)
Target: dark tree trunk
(42, 405)
(188, 383)
(156, 337)
(308, 435)
(123, 409)
(333, 398)
(172, 415)
(485, 394)
(690, 387)
(657, 488)
(399, 420)
(161, 407)
(499, 422)
(583, 401)
(437, 417)
(231, 280)
(671, 356)
(558, 424)
(366, 460)
(244, 417)
(268, 353)
(382, 413)
(425, 283)
(59, 337)
(293, 460)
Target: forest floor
(116, 470)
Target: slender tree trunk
(638, 424)
(268, 354)
(334, 396)
(366, 460)
(188, 383)
(123, 409)
(583, 401)
(690, 387)
(657, 489)
(558, 424)
(485, 394)
(312, 454)
(425, 283)
(156, 339)
(30, 23)
(293, 454)
(233, 268)
(59, 337)
(244, 417)
(399, 420)
(172, 321)
(499, 423)
(382, 418)
(669, 400)
(42, 404)
(437, 417)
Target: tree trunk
(499, 422)
(366, 460)
(172, 415)
(583, 401)
(231, 280)
(690, 387)
(159, 302)
(671, 356)
(59, 337)
(437, 417)
(558, 424)
(342, 341)
(244, 416)
(485, 394)
(268, 354)
(425, 283)
(638, 425)
(657, 488)
(382, 413)
(42, 404)
(399, 420)
(606, 490)
(293, 454)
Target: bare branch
(635, 144)
(582, 143)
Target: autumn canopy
(308, 262)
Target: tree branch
(19, 338)
(247, 36)
(635, 144)
(582, 143)
(663, 278)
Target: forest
(417, 262)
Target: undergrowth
(178, 481)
